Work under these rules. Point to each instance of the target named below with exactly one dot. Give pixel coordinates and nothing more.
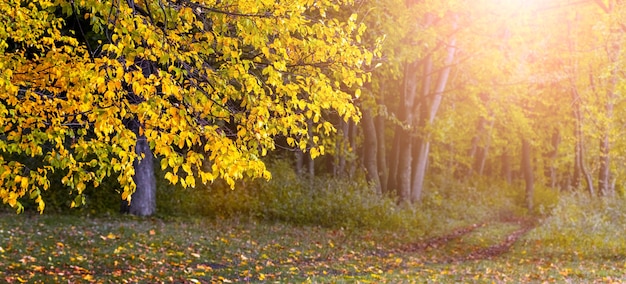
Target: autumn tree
(98, 88)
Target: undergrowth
(591, 227)
(343, 203)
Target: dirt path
(505, 245)
(455, 247)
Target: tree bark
(353, 133)
(419, 173)
(341, 150)
(474, 151)
(604, 174)
(405, 141)
(143, 200)
(382, 149)
(299, 155)
(527, 171)
(506, 166)
(310, 160)
(394, 158)
(481, 158)
(370, 150)
(604, 171)
(580, 170)
(550, 158)
(480, 152)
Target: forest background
(388, 115)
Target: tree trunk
(550, 158)
(143, 200)
(352, 147)
(299, 162)
(480, 152)
(604, 173)
(481, 158)
(382, 151)
(419, 173)
(370, 150)
(404, 136)
(580, 170)
(394, 159)
(474, 151)
(341, 150)
(506, 166)
(527, 171)
(310, 160)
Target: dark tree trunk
(370, 150)
(393, 160)
(353, 133)
(483, 153)
(527, 170)
(341, 150)
(382, 149)
(311, 161)
(143, 200)
(474, 151)
(299, 155)
(506, 167)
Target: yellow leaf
(24, 183)
(190, 180)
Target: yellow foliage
(177, 70)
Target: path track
(450, 248)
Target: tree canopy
(209, 84)
(528, 90)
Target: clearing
(62, 248)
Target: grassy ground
(58, 248)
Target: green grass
(338, 231)
(123, 249)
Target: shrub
(342, 203)
(585, 225)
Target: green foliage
(323, 201)
(100, 200)
(591, 227)
(342, 203)
(545, 200)
(479, 200)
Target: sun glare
(516, 6)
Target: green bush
(321, 201)
(341, 203)
(585, 225)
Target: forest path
(476, 242)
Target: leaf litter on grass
(122, 250)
